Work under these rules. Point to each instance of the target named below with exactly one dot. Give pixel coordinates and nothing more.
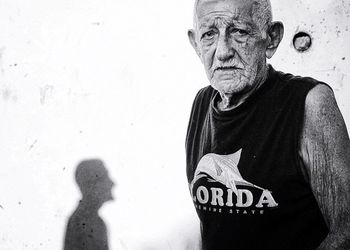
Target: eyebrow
(232, 21)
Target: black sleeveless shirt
(245, 173)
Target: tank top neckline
(224, 115)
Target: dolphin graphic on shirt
(223, 169)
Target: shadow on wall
(86, 230)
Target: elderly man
(268, 153)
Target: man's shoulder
(204, 97)
(201, 103)
(297, 81)
(205, 93)
(296, 86)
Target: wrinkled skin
(232, 45)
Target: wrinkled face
(231, 44)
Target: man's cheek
(207, 65)
(208, 59)
(250, 56)
(206, 48)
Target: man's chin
(228, 87)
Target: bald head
(233, 39)
(261, 10)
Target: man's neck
(230, 101)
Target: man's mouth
(225, 68)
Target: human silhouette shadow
(85, 229)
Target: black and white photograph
(174, 125)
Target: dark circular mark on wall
(302, 41)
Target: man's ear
(275, 33)
(192, 37)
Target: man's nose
(224, 49)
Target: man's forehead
(242, 8)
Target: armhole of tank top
(300, 165)
(206, 106)
(200, 107)
(198, 98)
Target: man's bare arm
(325, 150)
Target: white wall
(328, 23)
(115, 80)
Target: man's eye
(208, 35)
(240, 32)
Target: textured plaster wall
(115, 80)
(328, 59)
